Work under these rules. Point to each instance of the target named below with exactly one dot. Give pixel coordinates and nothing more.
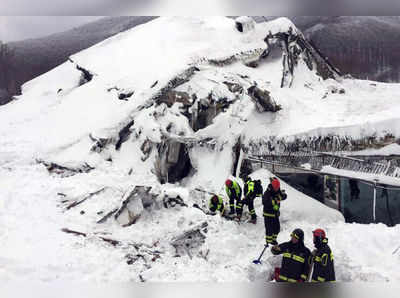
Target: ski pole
(259, 258)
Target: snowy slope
(58, 116)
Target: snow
(392, 149)
(379, 178)
(59, 126)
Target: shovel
(259, 258)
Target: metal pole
(374, 207)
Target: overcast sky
(18, 28)
(198, 7)
(34, 20)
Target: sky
(22, 19)
(204, 7)
(14, 28)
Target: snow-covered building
(167, 106)
(244, 24)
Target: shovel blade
(257, 262)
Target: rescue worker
(234, 193)
(324, 270)
(271, 200)
(217, 204)
(249, 196)
(296, 259)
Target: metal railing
(315, 161)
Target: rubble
(190, 241)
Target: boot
(253, 220)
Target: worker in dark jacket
(250, 193)
(271, 200)
(296, 259)
(324, 269)
(234, 193)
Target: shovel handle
(259, 258)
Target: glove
(275, 249)
(275, 207)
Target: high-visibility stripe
(295, 236)
(232, 205)
(268, 239)
(268, 214)
(298, 259)
(324, 259)
(294, 257)
(253, 211)
(303, 276)
(282, 277)
(320, 279)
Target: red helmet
(319, 233)
(275, 184)
(228, 182)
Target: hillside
(33, 57)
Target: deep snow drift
(60, 115)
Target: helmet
(319, 237)
(275, 184)
(228, 182)
(319, 233)
(298, 234)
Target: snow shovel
(259, 258)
